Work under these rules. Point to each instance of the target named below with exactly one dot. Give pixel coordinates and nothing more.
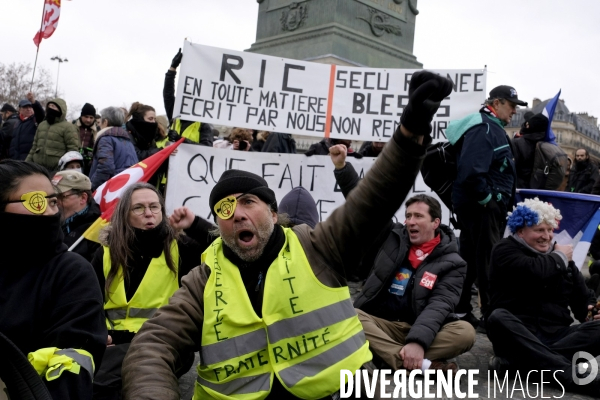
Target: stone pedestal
(370, 33)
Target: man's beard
(86, 125)
(262, 232)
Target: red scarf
(417, 254)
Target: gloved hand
(177, 59)
(173, 135)
(425, 93)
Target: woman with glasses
(50, 305)
(139, 267)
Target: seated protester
(322, 148)
(371, 149)
(300, 207)
(71, 160)
(54, 137)
(139, 267)
(533, 283)
(226, 306)
(78, 210)
(194, 131)
(114, 151)
(50, 306)
(408, 321)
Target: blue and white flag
(581, 217)
(549, 113)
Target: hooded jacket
(300, 206)
(524, 152)
(51, 142)
(113, 153)
(24, 133)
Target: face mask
(77, 169)
(52, 115)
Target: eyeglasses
(140, 209)
(63, 196)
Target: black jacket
(536, 288)
(24, 133)
(279, 143)
(73, 229)
(6, 134)
(524, 152)
(583, 176)
(431, 307)
(321, 148)
(49, 297)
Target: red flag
(109, 193)
(49, 21)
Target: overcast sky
(118, 51)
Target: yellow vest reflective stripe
(161, 144)
(308, 332)
(192, 132)
(155, 290)
(51, 362)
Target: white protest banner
(195, 170)
(256, 91)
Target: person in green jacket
(54, 136)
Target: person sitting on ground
(54, 136)
(78, 210)
(139, 266)
(534, 287)
(50, 307)
(235, 309)
(31, 113)
(300, 207)
(114, 151)
(407, 303)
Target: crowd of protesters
(138, 300)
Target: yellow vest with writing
(307, 334)
(155, 290)
(192, 132)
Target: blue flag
(581, 217)
(549, 113)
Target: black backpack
(550, 167)
(439, 172)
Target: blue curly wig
(532, 212)
(522, 216)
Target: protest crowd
(260, 289)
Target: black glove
(425, 93)
(173, 135)
(177, 59)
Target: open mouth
(246, 236)
(413, 231)
(150, 225)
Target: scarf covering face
(145, 131)
(31, 239)
(52, 115)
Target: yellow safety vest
(155, 290)
(307, 334)
(192, 132)
(51, 362)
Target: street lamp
(60, 61)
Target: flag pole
(38, 46)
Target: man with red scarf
(406, 305)
(31, 113)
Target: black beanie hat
(8, 107)
(537, 123)
(237, 181)
(88, 109)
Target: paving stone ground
(477, 358)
